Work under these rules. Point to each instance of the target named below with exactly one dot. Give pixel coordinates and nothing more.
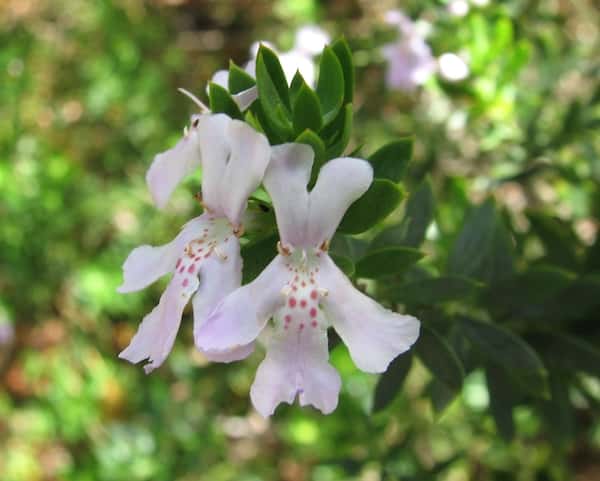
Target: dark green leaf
(310, 138)
(558, 238)
(436, 290)
(417, 217)
(375, 205)
(306, 111)
(222, 102)
(505, 349)
(502, 400)
(330, 86)
(348, 246)
(343, 128)
(344, 55)
(571, 354)
(440, 359)
(558, 410)
(257, 255)
(391, 160)
(344, 263)
(297, 83)
(440, 394)
(239, 80)
(387, 261)
(391, 381)
(273, 92)
(483, 249)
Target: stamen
(322, 291)
(286, 290)
(239, 231)
(194, 99)
(185, 131)
(283, 250)
(324, 246)
(220, 254)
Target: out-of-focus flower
(205, 257)
(480, 3)
(452, 67)
(410, 61)
(7, 333)
(304, 292)
(458, 8)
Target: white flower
(452, 67)
(205, 257)
(304, 292)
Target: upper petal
(240, 317)
(215, 150)
(248, 159)
(219, 275)
(245, 98)
(374, 335)
(146, 264)
(286, 179)
(170, 167)
(156, 334)
(341, 181)
(296, 364)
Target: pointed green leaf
(257, 255)
(343, 128)
(222, 102)
(344, 54)
(310, 138)
(387, 261)
(391, 160)
(375, 205)
(505, 349)
(239, 80)
(297, 83)
(391, 381)
(440, 358)
(306, 111)
(502, 400)
(330, 86)
(417, 217)
(436, 290)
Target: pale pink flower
(410, 61)
(205, 257)
(304, 292)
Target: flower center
(302, 295)
(217, 231)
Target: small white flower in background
(410, 61)
(458, 8)
(7, 333)
(309, 42)
(205, 257)
(480, 3)
(452, 67)
(304, 292)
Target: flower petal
(170, 167)
(248, 159)
(374, 335)
(296, 363)
(214, 147)
(286, 179)
(155, 337)
(146, 264)
(341, 181)
(220, 77)
(245, 98)
(240, 317)
(218, 277)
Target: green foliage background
(502, 195)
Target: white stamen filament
(194, 99)
(322, 291)
(286, 290)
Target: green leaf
(505, 349)
(440, 395)
(375, 205)
(257, 255)
(348, 246)
(273, 92)
(310, 138)
(436, 290)
(502, 400)
(391, 381)
(344, 263)
(387, 261)
(344, 55)
(343, 128)
(483, 248)
(558, 238)
(417, 217)
(391, 160)
(330, 86)
(222, 102)
(297, 83)
(306, 111)
(440, 359)
(571, 354)
(239, 80)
